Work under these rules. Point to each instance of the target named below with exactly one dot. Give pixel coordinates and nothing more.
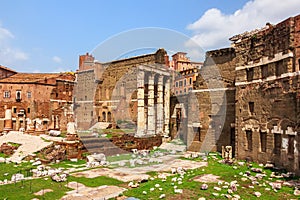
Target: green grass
(14, 144)
(191, 188)
(69, 164)
(119, 158)
(11, 169)
(3, 155)
(25, 190)
(95, 182)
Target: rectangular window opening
(291, 147)
(263, 141)
(249, 139)
(277, 143)
(250, 74)
(251, 107)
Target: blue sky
(48, 36)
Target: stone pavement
(174, 145)
(29, 144)
(81, 192)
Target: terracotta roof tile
(6, 68)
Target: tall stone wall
(267, 108)
(84, 92)
(211, 103)
(117, 81)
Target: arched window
(18, 95)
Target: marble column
(160, 107)
(167, 107)
(8, 120)
(141, 104)
(151, 108)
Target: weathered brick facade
(100, 88)
(32, 100)
(267, 94)
(209, 111)
(247, 97)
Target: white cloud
(5, 34)
(9, 55)
(214, 28)
(56, 59)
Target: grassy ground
(69, 164)
(3, 155)
(192, 189)
(7, 170)
(25, 190)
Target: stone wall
(84, 92)
(118, 80)
(214, 94)
(128, 142)
(267, 101)
(102, 88)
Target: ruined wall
(117, 80)
(267, 108)
(215, 99)
(84, 92)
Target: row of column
(153, 121)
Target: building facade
(133, 90)
(247, 96)
(185, 73)
(267, 94)
(34, 102)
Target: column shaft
(8, 120)
(151, 108)
(167, 107)
(160, 107)
(141, 106)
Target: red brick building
(36, 101)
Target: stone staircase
(96, 145)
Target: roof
(33, 77)
(7, 69)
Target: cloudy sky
(48, 36)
